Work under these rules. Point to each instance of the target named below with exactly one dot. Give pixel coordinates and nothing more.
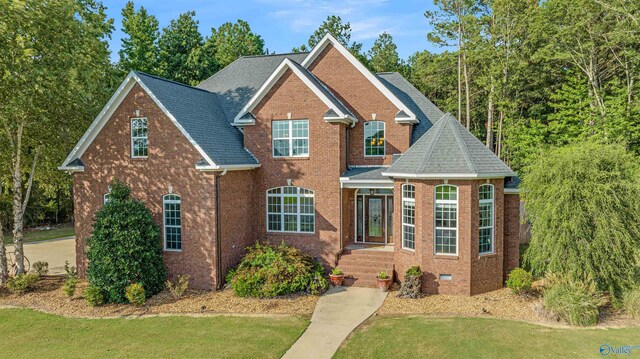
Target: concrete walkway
(55, 252)
(338, 312)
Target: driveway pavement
(338, 312)
(55, 252)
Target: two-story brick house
(358, 169)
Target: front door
(375, 219)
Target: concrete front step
(362, 266)
(364, 283)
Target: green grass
(36, 236)
(31, 334)
(419, 337)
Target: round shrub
(125, 247)
(631, 302)
(267, 271)
(135, 294)
(22, 283)
(574, 301)
(94, 296)
(519, 280)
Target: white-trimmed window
(408, 216)
(139, 139)
(290, 138)
(486, 218)
(374, 138)
(172, 222)
(290, 209)
(446, 220)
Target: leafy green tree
(125, 247)
(232, 40)
(47, 83)
(583, 202)
(180, 44)
(383, 55)
(140, 45)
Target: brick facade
(242, 203)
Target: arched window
(374, 138)
(290, 209)
(486, 218)
(446, 220)
(408, 216)
(172, 222)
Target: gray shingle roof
(200, 114)
(425, 110)
(365, 173)
(240, 80)
(449, 150)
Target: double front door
(374, 215)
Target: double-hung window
(446, 220)
(139, 138)
(408, 216)
(290, 138)
(486, 218)
(374, 138)
(172, 222)
(290, 209)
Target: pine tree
(180, 44)
(383, 55)
(140, 45)
(232, 40)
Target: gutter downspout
(218, 233)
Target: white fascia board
(285, 65)
(329, 39)
(447, 175)
(71, 168)
(511, 191)
(228, 167)
(108, 110)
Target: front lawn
(31, 334)
(36, 235)
(422, 337)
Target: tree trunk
(499, 149)
(466, 89)
(459, 66)
(489, 139)
(4, 271)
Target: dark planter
(384, 284)
(336, 280)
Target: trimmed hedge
(519, 280)
(125, 247)
(268, 271)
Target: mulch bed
(502, 303)
(48, 297)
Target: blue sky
(287, 23)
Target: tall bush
(583, 201)
(125, 247)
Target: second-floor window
(139, 138)
(374, 138)
(290, 138)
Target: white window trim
(442, 201)
(291, 138)
(298, 195)
(132, 138)
(164, 222)
(493, 219)
(384, 137)
(414, 216)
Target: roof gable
(407, 115)
(448, 150)
(193, 111)
(336, 110)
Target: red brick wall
(511, 232)
(319, 172)
(171, 163)
(471, 273)
(363, 99)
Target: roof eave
(448, 175)
(411, 120)
(240, 167)
(71, 168)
